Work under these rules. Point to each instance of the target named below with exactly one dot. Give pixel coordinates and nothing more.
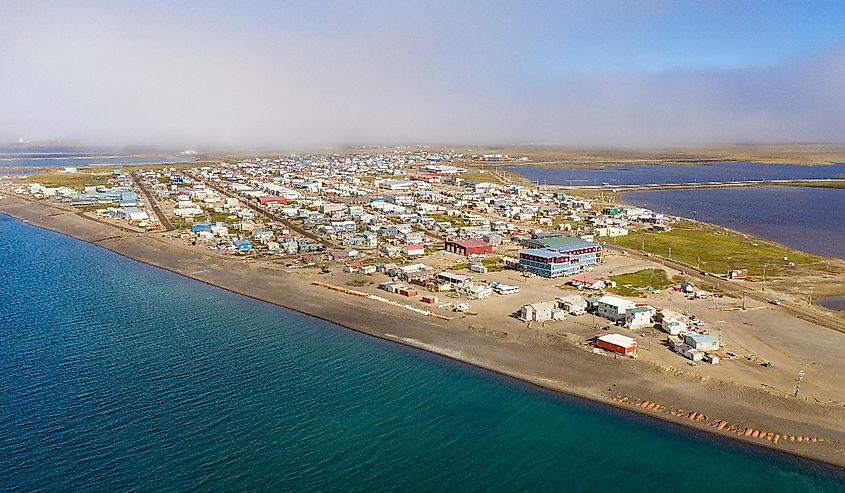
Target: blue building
(559, 256)
(243, 245)
(196, 228)
(128, 199)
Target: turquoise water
(116, 376)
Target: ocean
(676, 173)
(118, 376)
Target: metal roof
(619, 340)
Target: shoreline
(417, 334)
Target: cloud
(214, 77)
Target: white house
(613, 308)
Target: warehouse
(469, 248)
(617, 343)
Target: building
(613, 308)
(541, 312)
(573, 304)
(684, 349)
(131, 214)
(584, 282)
(128, 199)
(672, 322)
(639, 317)
(469, 248)
(413, 250)
(556, 256)
(272, 199)
(617, 343)
(197, 227)
(701, 342)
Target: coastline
(559, 368)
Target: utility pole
(670, 252)
(721, 323)
(810, 295)
(798, 380)
(764, 276)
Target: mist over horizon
(270, 75)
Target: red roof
(470, 243)
(272, 198)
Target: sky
(281, 74)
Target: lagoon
(805, 218)
(642, 174)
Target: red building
(617, 343)
(272, 199)
(469, 247)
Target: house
(685, 350)
(638, 317)
(476, 291)
(672, 325)
(701, 342)
(573, 304)
(611, 231)
(413, 250)
(617, 343)
(541, 312)
(613, 308)
(469, 248)
(584, 282)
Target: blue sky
(274, 73)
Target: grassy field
(717, 250)
(78, 180)
(455, 220)
(823, 184)
(632, 283)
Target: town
(441, 240)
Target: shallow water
(805, 218)
(680, 173)
(117, 376)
